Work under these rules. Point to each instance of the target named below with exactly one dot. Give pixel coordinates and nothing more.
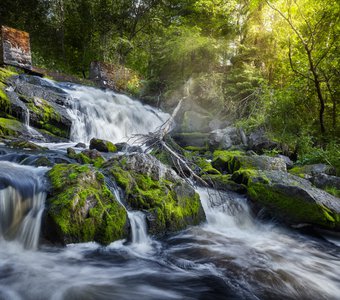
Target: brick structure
(15, 48)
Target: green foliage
(329, 155)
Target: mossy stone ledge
(80, 207)
(169, 202)
(293, 199)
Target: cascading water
(110, 116)
(139, 228)
(32, 131)
(231, 256)
(22, 198)
(140, 239)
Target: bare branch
(292, 64)
(289, 21)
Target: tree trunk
(316, 81)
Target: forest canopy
(270, 64)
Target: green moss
(82, 208)
(22, 144)
(224, 161)
(243, 176)
(174, 204)
(4, 100)
(102, 145)
(5, 73)
(49, 118)
(10, 127)
(205, 166)
(84, 158)
(298, 171)
(196, 148)
(292, 209)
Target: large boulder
(293, 199)
(34, 86)
(169, 202)
(80, 207)
(39, 102)
(231, 161)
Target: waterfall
(27, 118)
(226, 210)
(22, 198)
(140, 239)
(31, 130)
(108, 115)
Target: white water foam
(110, 116)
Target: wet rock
(170, 203)
(71, 152)
(86, 156)
(34, 86)
(40, 98)
(80, 145)
(43, 161)
(12, 128)
(102, 145)
(293, 199)
(23, 144)
(80, 207)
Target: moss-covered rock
(102, 145)
(224, 183)
(80, 207)
(86, 157)
(11, 127)
(170, 203)
(24, 144)
(293, 199)
(232, 161)
(306, 171)
(224, 160)
(48, 116)
(5, 73)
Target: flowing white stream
(140, 238)
(22, 200)
(232, 256)
(110, 116)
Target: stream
(233, 255)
